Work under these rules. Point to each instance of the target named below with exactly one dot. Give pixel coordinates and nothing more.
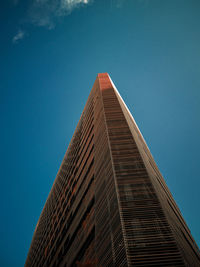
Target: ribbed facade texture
(109, 204)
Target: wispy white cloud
(20, 35)
(44, 13)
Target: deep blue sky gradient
(151, 49)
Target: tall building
(109, 204)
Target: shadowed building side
(109, 204)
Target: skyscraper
(109, 204)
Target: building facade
(109, 204)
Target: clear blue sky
(50, 54)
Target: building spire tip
(103, 74)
